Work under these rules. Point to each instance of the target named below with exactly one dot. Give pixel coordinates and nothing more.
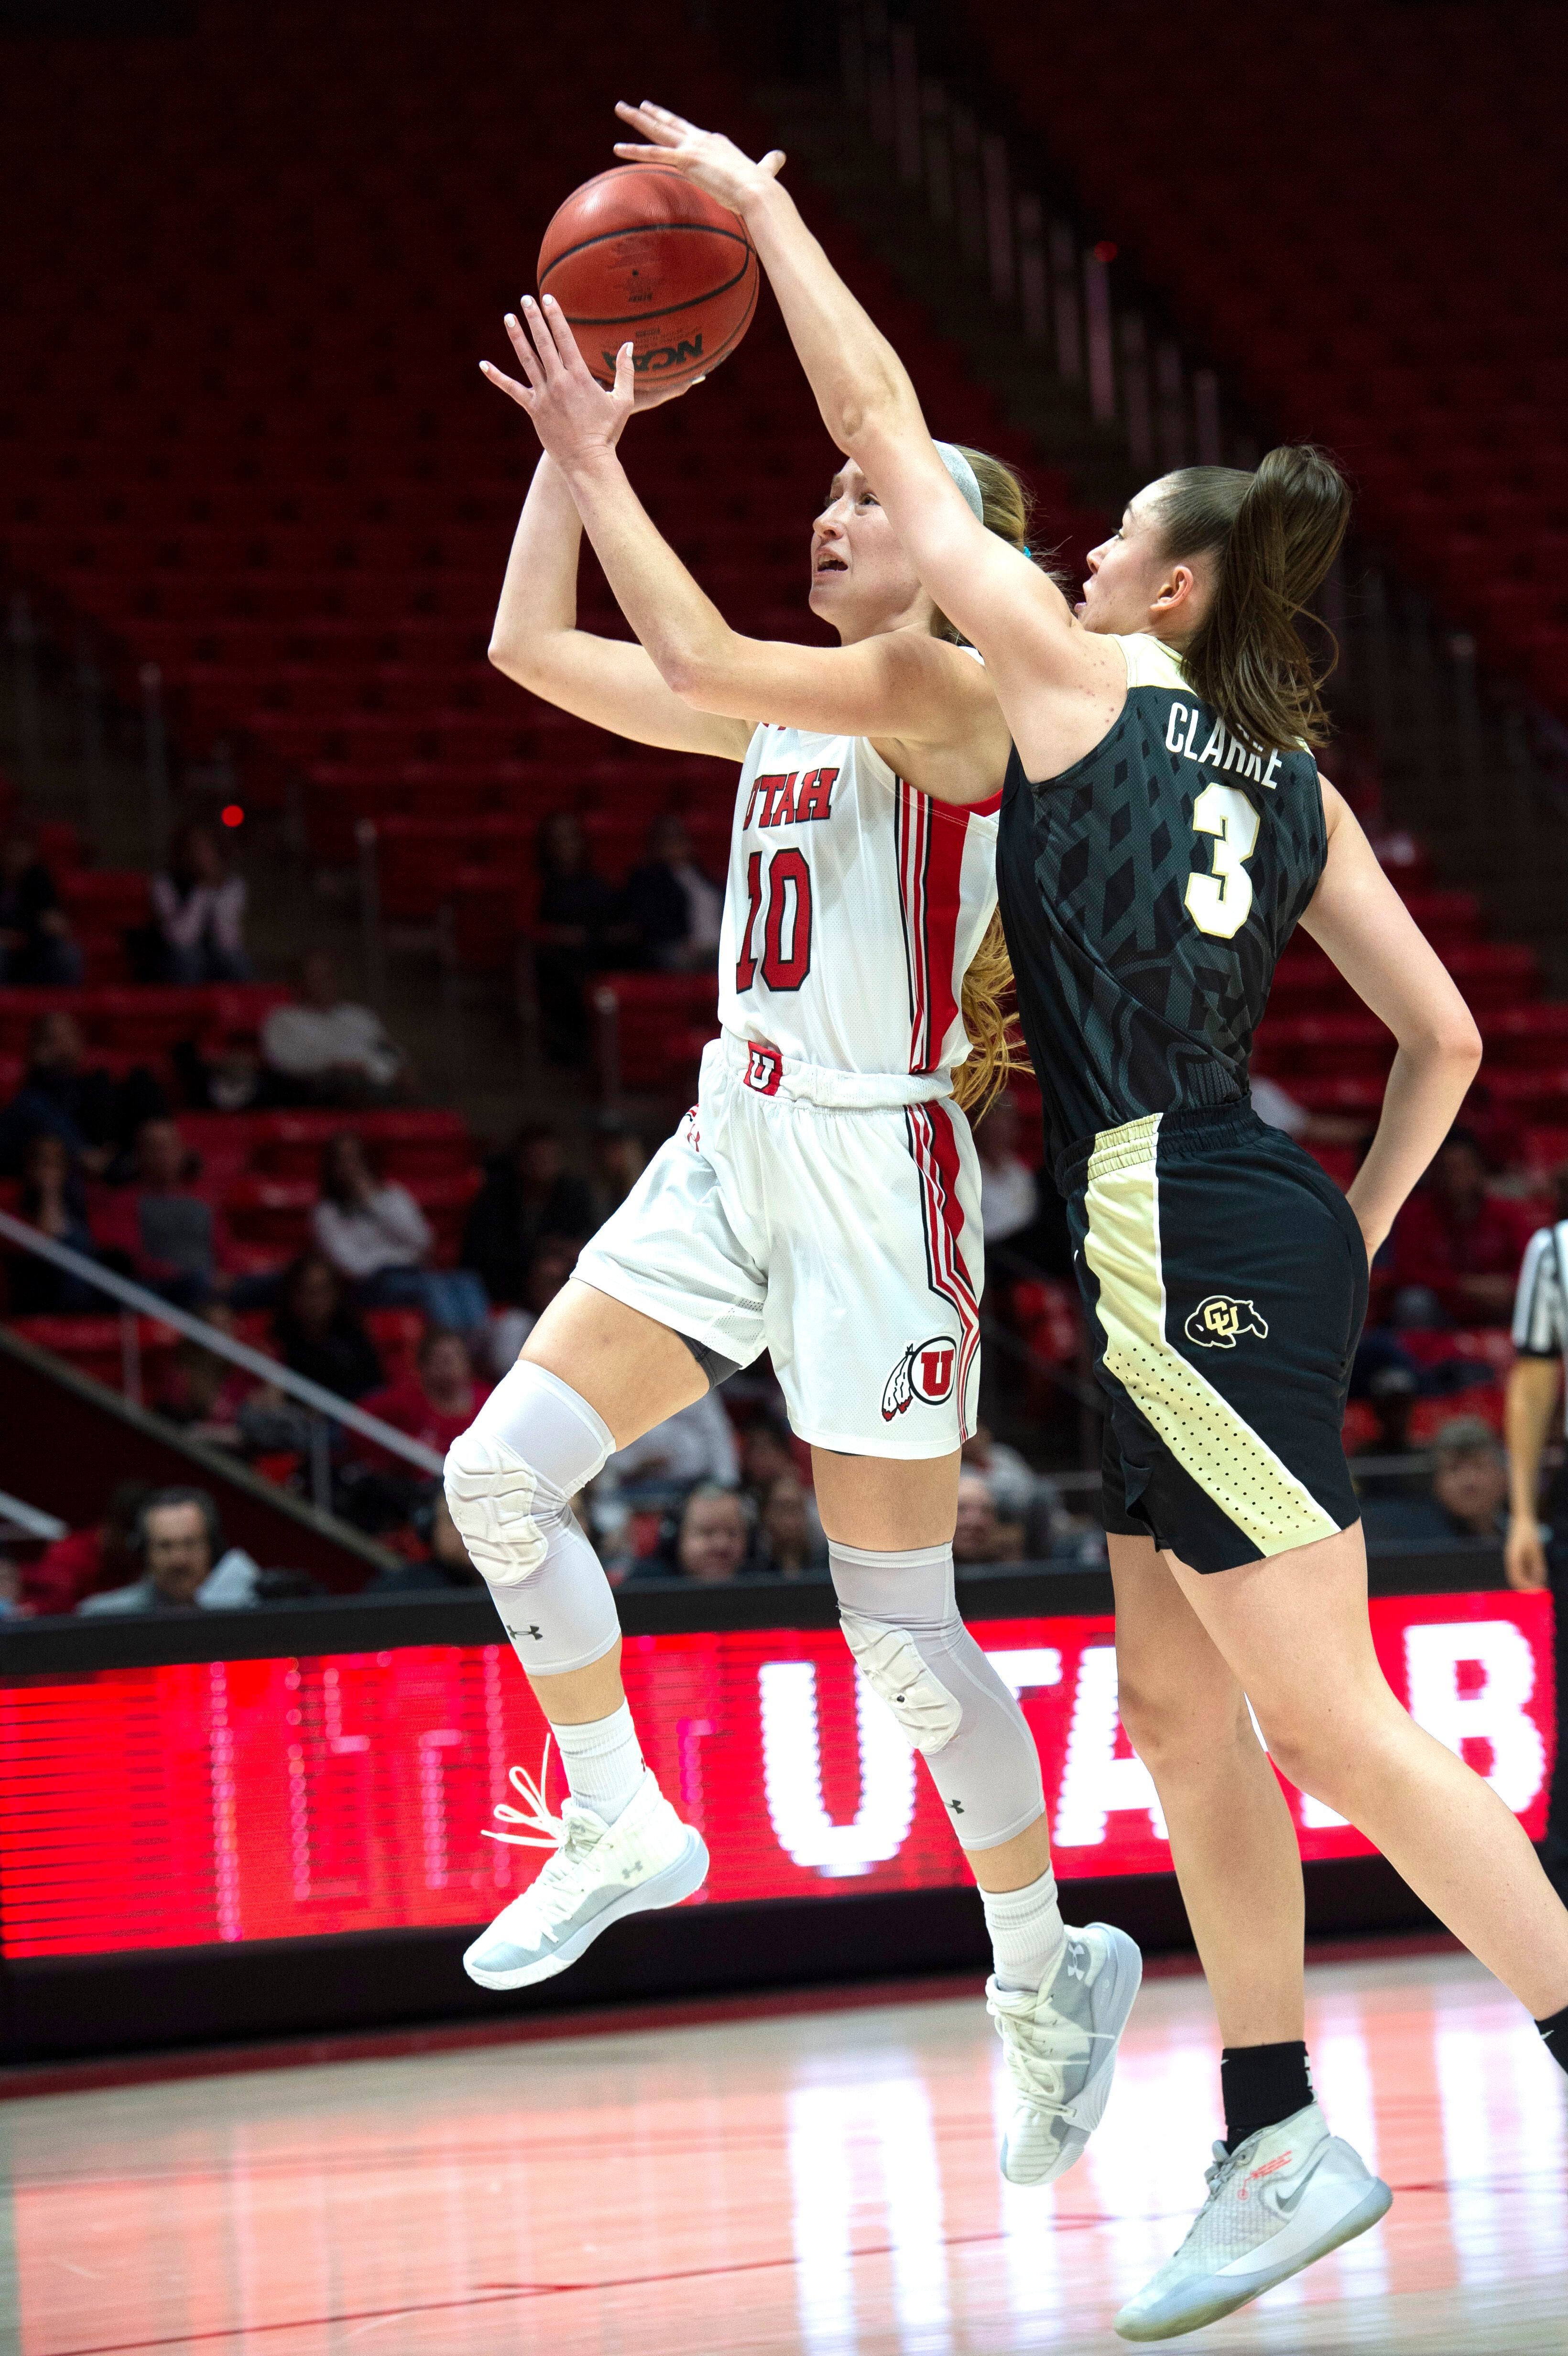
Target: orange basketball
(640, 255)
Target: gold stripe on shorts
(1215, 1446)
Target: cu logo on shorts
(1215, 1323)
(924, 1373)
(765, 1069)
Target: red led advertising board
(270, 1799)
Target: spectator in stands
(1280, 1109)
(206, 1393)
(1021, 1495)
(1021, 1216)
(790, 1543)
(713, 1539)
(319, 1334)
(981, 1535)
(1457, 1248)
(1467, 1498)
(445, 1565)
(1010, 1192)
(52, 1202)
(554, 1258)
(698, 1443)
(377, 1238)
(528, 1192)
(766, 1454)
(178, 1543)
(434, 1403)
(325, 1049)
(616, 1161)
(159, 1229)
(36, 946)
(198, 908)
(86, 1560)
(672, 908)
(575, 929)
(60, 1092)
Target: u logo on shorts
(765, 1069)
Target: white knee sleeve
(532, 1446)
(900, 1615)
(509, 1479)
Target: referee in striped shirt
(1536, 1554)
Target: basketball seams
(636, 318)
(650, 228)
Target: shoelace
(571, 1835)
(1216, 2177)
(548, 1830)
(1043, 2073)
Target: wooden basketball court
(821, 2182)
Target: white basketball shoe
(1288, 2195)
(1060, 2047)
(599, 1874)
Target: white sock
(604, 1761)
(1027, 1934)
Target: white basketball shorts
(827, 1218)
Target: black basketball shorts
(1224, 1279)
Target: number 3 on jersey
(1217, 902)
(787, 893)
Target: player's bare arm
(1357, 918)
(537, 641)
(925, 704)
(1059, 687)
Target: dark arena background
(301, 901)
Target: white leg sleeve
(531, 1447)
(900, 1615)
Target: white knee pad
(509, 1479)
(531, 1447)
(493, 1498)
(900, 1620)
(888, 1659)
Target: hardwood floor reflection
(823, 2184)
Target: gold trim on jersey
(1213, 1444)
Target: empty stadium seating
(1380, 272)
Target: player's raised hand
(713, 162)
(573, 415)
(560, 392)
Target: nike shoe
(1288, 2195)
(1060, 2047)
(599, 1874)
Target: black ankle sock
(1264, 2084)
(1555, 2031)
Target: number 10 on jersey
(785, 889)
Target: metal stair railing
(324, 1407)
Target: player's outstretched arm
(536, 642)
(904, 685)
(1360, 920)
(1017, 618)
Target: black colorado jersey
(1147, 894)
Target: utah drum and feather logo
(924, 1373)
(1216, 1324)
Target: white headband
(963, 474)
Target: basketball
(639, 253)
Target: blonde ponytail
(986, 1001)
(995, 1050)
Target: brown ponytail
(1275, 534)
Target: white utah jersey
(854, 907)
